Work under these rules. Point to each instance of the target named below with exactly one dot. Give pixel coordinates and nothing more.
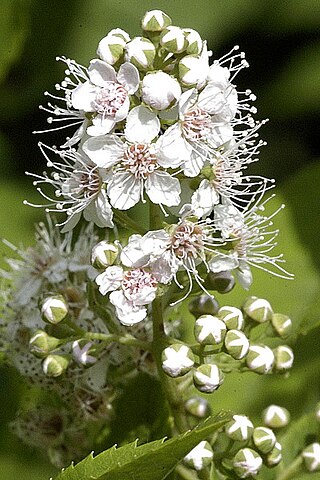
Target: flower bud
(155, 21)
(264, 439)
(41, 344)
(311, 457)
(54, 309)
(237, 344)
(203, 305)
(141, 52)
(247, 463)
(55, 365)
(232, 317)
(173, 39)
(193, 71)
(177, 360)
(194, 41)
(222, 282)
(111, 47)
(258, 309)
(198, 407)
(275, 456)
(275, 416)
(282, 324)
(283, 358)
(200, 456)
(209, 330)
(84, 352)
(160, 90)
(104, 254)
(240, 428)
(260, 359)
(207, 378)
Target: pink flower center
(187, 241)
(139, 161)
(138, 282)
(196, 124)
(110, 99)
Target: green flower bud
(247, 463)
(55, 365)
(264, 439)
(84, 352)
(104, 254)
(275, 416)
(194, 40)
(311, 457)
(203, 305)
(41, 344)
(275, 456)
(222, 282)
(232, 317)
(200, 456)
(283, 358)
(193, 71)
(173, 39)
(198, 407)
(260, 359)
(140, 52)
(111, 47)
(237, 344)
(155, 21)
(240, 428)
(282, 324)
(258, 309)
(177, 360)
(54, 309)
(209, 330)
(207, 378)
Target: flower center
(196, 124)
(187, 241)
(139, 161)
(110, 99)
(83, 184)
(137, 281)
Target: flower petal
(104, 150)
(171, 148)
(204, 199)
(127, 313)
(83, 96)
(162, 188)
(124, 190)
(128, 76)
(110, 279)
(142, 125)
(101, 125)
(101, 72)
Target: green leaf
(151, 461)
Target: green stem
(185, 473)
(102, 312)
(123, 340)
(127, 222)
(291, 470)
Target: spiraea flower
(79, 187)
(160, 91)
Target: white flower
(131, 291)
(134, 163)
(194, 139)
(160, 90)
(79, 187)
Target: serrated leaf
(151, 461)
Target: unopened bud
(54, 309)
(173, 39)
(193, 71)
(194, 40)
(247, 463)
(155, 21)
(55, 365)
(222, 282)
(258, 309)
(209, 330)
(41, 344)
(282, 324)
(275, 416)
(141, 52)
(264, 439)
(84, 352)
(200, 456)
(232, 317)
(104, 254)
(275, 456)
(237, 344)
(240, 428)
(203, 305)
(111, 47)
(311, 457)
(283, 358)
(260, 359)
(198, 407)
(160, 91)
(207, 378)
(177, 360)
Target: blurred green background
(282, 43)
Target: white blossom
(160, 91)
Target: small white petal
(128, 76)
(124, 190)
(162, 188)
(101, 72)
(142, 125)
(83, 96)
(104, 150)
